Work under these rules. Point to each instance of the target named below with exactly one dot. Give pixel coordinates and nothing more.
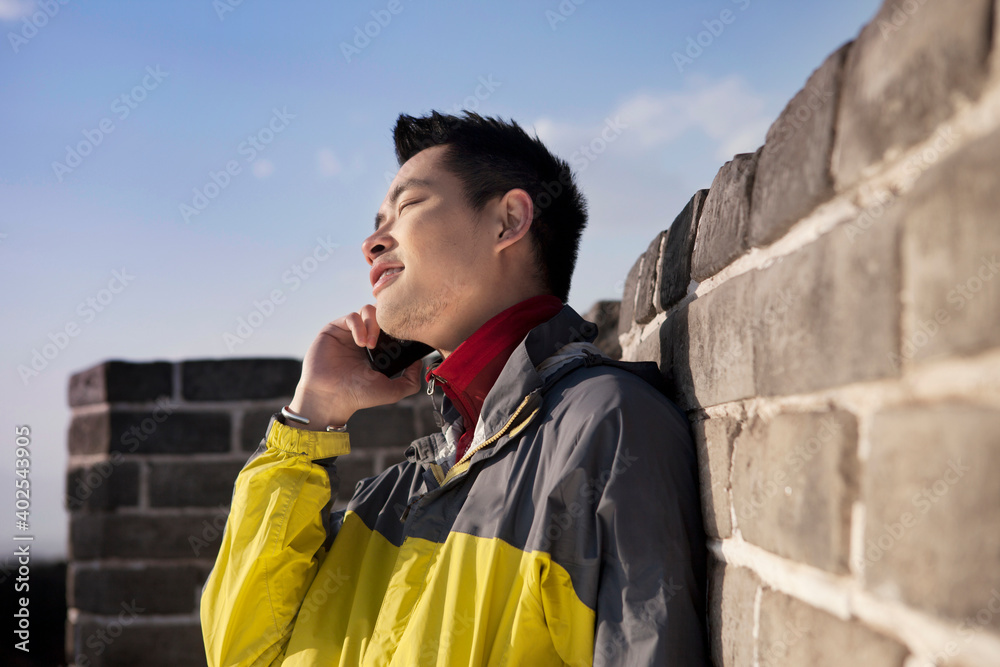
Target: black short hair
(490, 157)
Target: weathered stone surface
(646, 289)
(115, 381)
(731, 593)
(932, 532)
(828, 314)
(714, 441)
(793, 634)
(236, 379)
(951, 246)
(105, 485)
(627, 315)
(382, 426)
(176, 432)
(138, 643)
(195, 484)
(794, 479)
(158, 589)
(711, 340)
(605, 315)
(90, 433)
(674, 273)
(905, 75)
(254, 427)
(158, 536)
(723, 231)
(793, 175)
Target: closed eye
(415, 201)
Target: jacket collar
(562, 338)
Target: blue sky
(117, 115)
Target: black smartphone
(391, 356)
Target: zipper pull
(430, 387)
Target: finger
(371, 324)
(357, 327)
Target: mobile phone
(391, 356)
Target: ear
(516, 210)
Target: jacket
(570, 533)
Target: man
(554, 520)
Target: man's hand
(336, 378)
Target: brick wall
(154, 451)
(828, 313)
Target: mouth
(385, 278)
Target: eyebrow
(397, 192)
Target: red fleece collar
(468, 374)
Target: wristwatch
(287, 413)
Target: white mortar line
(921, 633)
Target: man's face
(426, 227)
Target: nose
(376, 244)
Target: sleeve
(651, 583)
(272, 547)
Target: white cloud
(263, 168)
(727, 111)
(12, 10)
(327, 163)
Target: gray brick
(195, 484)
(254, 427)
(932, 533)
(156, 432)
(712, 357)
(159, 589)
(723, 231)
(159, 536)
(139, 643)
(828, 314)
(793, 634)
(605, 315)
(731, 593)
(105, 485)
(382, 426)
(90, 433)
(714, 441)
(627, 318)
(239, 379)
(793, 175)
(121, 381)
(674, 273)
(646, 287)
(903, 83)
(794, 479)
(951, 245)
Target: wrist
(320, 412)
